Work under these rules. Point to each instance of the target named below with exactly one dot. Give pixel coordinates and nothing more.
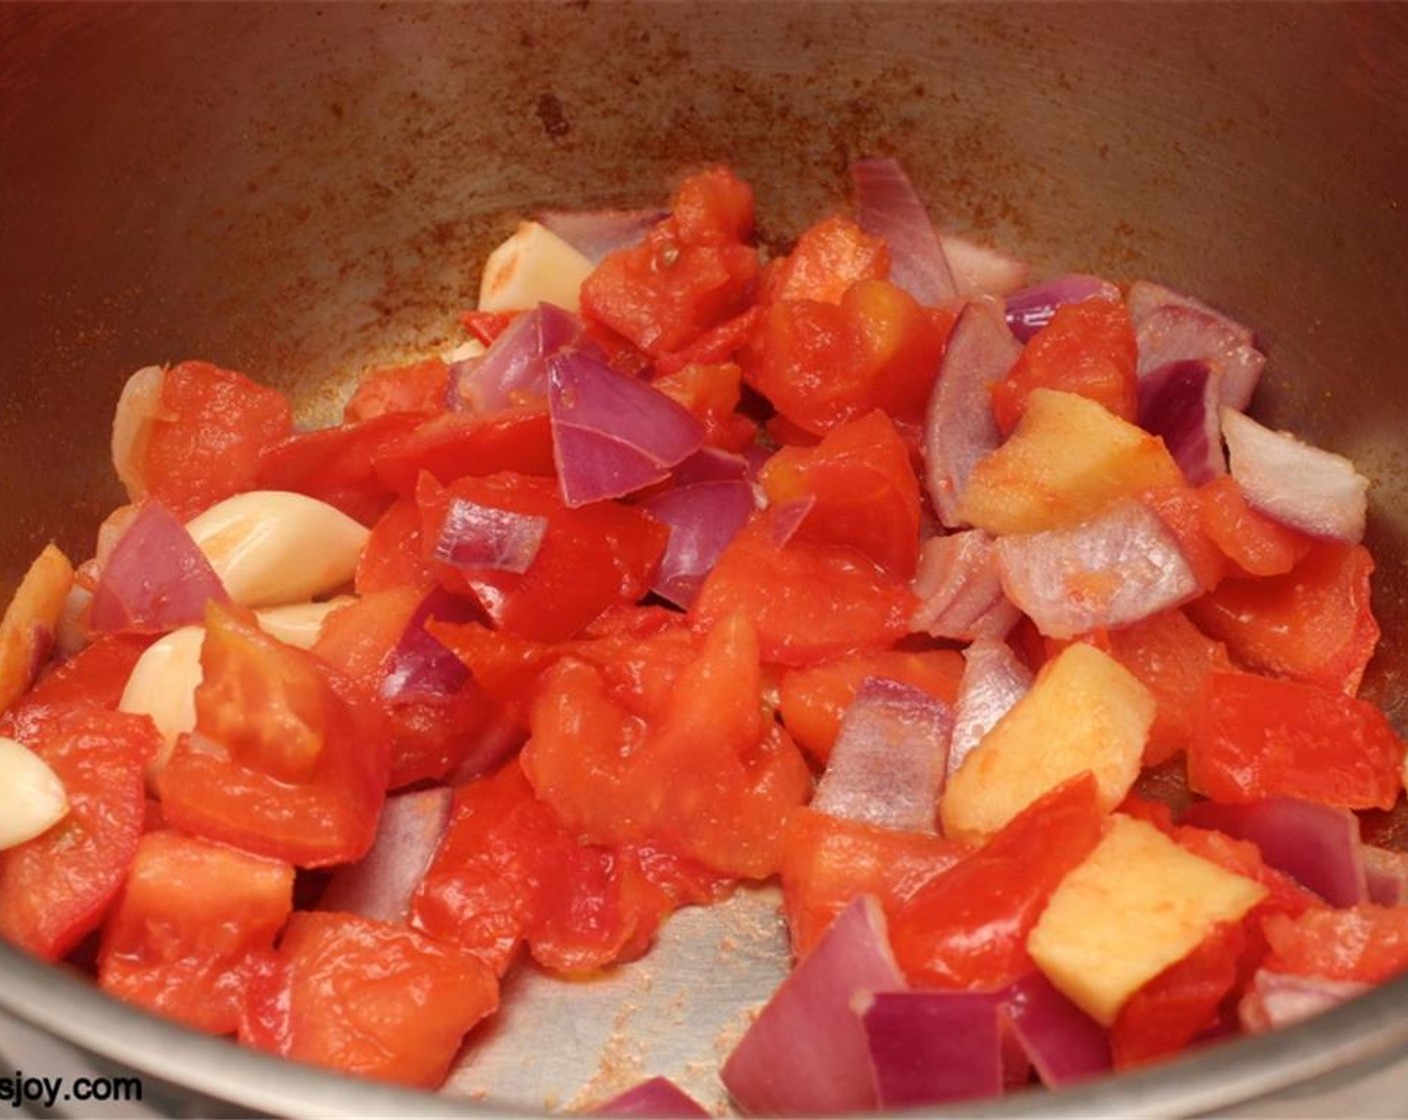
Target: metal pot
(297, 191)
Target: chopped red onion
(155, 578)
(993, 681)
(1302, 486)
(495, 742)
(981, 270)
(1179, 402)
(932, 1047)
(1032, 308)
(1064, 1043)
(703, 516)
(709, 464)
(1278, 999)
(514, 369)
(891, 755)
(421, 668)
(959, 590)
(1386, 873)
(658, 1097)
(381, 883)
(480, 536)
(959, 428)
(1170, 327)
(1318, 845)
(807, 1052)
(888, 207)
(598, 233)
(1120, 566)
(612, 434)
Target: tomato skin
(714, 207)
(1087, 348)
(821, 364)
(414, 387)
(808, 602)
(1314, 624)
(366, 998)
(591, 558)
(1181, 1002)
(93, 677)
(815, 698)
(967, 927)
(1181, 509)
(55, 888)
(486, 326)
(334, 465)
(301, 779)
(864, 487)
(458, 444)
(1366, 943)
(1257, 737)
(828, 258)
(827, 862)
(205, 444)
(394, 555)
(190, 918)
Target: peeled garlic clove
(273, 547)
(299, 624)
(32, 799)
(137, 407)
(163, 685)
(533, 266)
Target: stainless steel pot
(296, 191)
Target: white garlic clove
(32, 799)
(272, 547)
(163, 685)
(299, 624)
(533, 266)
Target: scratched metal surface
(298, 191)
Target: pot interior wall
(298, 191)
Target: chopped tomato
(457, 444)
(1366, 943)
(298, 772)
(1179, 1003)
(863, 487)
(815, 698)
(828, 258)
(1257, 737)
(394, 555)
(93, 677)
(808, 602)
(486, 326)
(827, 862)
(1314, 624)
(334, 465)
(27, 628)
(205, 441)
(414, 387)
(1181, 510)
(822, 364)
(705, 776)
(190, 920)
(716, 346)
(366, 998)
(55, 888)
(1257, 544)
(714, 207)
(1087, 348)
(968, 927)
(591, 557)
(711, 393)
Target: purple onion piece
(1032, 308)
(993, 681)
(514, 368)
(1179, 402)
(1318, 845)
(703, 518)
(155, 579)
(474, 536)
(981, 270)
(421, 668)
(612, 434)
(381, 883)
(1387, 875)
(959, 428)
(659, 1097)
(596, 234)
(888, 207)
(960, 590)
(1278, 999)
(807, 1052)
(890, 759)
(932, 1047)
(1064, 1043)
(1181, 329)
